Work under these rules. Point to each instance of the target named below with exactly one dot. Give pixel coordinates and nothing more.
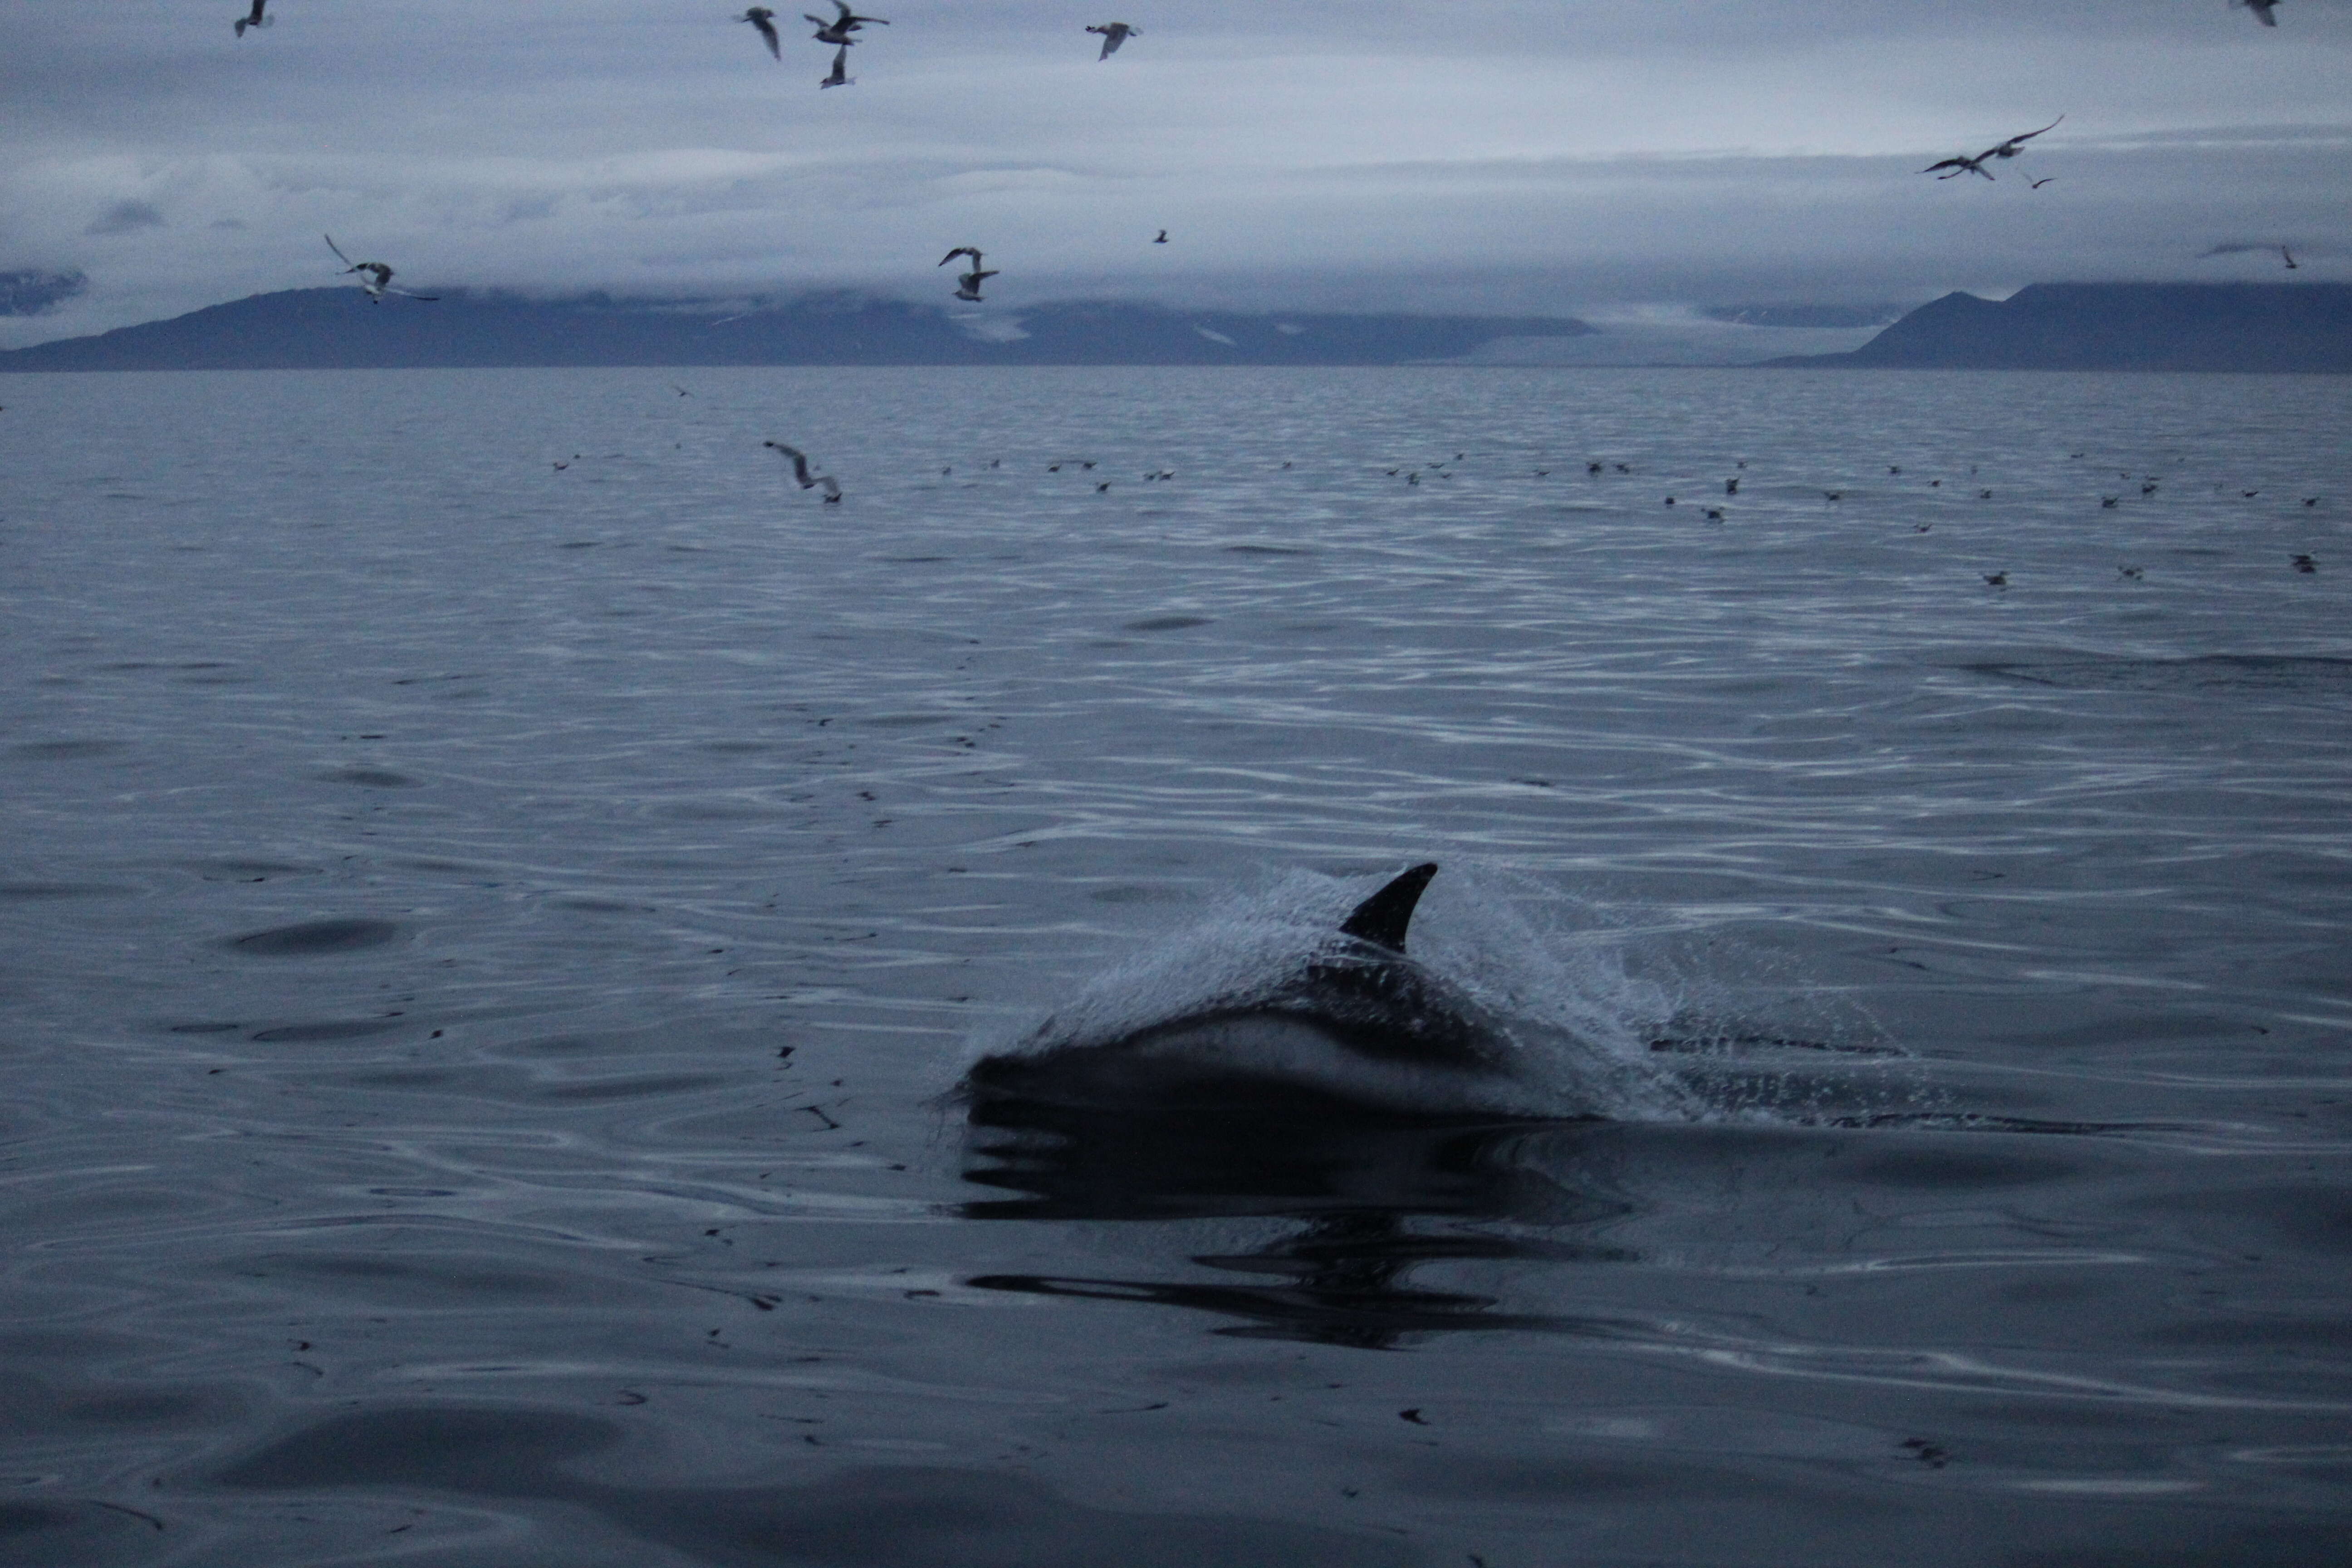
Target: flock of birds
(839, 32)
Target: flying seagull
(2016, 144)
(254, 19)
(840, 77)
(2284, 254)
(1163, 239)
(374, 277)
(1113, 35)
(968, 283)
(764, 22)
(809, 481)
(1960, 166)
(2261, 9)
(838, 31)
(1964, 164)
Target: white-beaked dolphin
(1358, 1021)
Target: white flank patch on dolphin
(1572, 1026)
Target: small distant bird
(1113, 35)
(1623, 468)
(680, 390)
(2110, 503)
(968, 283)
(559, 467)
(1895, 469)
(1714, 514)
(2261, 9)
(1833, 496)
(1163, 239)
(253, 18)
(1731, 487)
(1670, 501)
(764, 22)
(2284, 254)
(1984, 495)
(2305, 564)
(1102, 486)
(374, 277)
(2250, 494)
(2043, 181)
(2311, 501)
(2148, 488)
(1997, 579)
(2133, 573)
(1592, 467)
(801, 471)
(840, 77)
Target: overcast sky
(1561, 156)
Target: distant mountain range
(2274, 327)
(337, 328)
(2305, 327)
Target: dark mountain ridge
(2268, 327)
(339, 328)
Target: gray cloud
(124, 217)
(1507, 154)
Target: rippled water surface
(498, 884)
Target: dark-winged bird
(840, 77)
(374, 277)
(1963, 164)
(2261, 9)
(1113, 35)
(968, 283)
(253, 18)
(801, 471)
(764, 22)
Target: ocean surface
(498, 885)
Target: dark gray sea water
(497, 886)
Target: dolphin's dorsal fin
(1380, 919)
